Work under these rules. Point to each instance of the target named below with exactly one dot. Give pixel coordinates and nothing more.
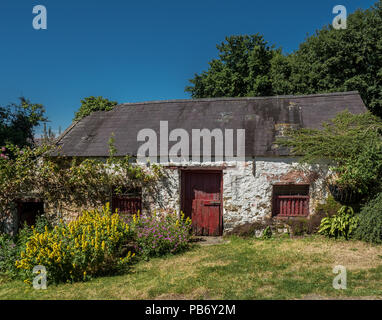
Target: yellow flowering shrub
(91, 245)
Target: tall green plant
(370, 226)
(8, 255)
(341, 225)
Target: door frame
(184, 172)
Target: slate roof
(263, 118)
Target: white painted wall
(247, 187)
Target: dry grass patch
(266, 290)
(354, 255)
(240, 269)
(215, 263)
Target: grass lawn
(238, 269)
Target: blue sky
(132, 51)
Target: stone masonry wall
(247, 188)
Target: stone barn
(238, 181)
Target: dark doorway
(202, 201)
(28, 212)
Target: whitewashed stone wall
(166, 194)
(247, 187)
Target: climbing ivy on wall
(33, 171)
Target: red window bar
(291, 206)
(129, 205)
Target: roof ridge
(126, 122)
(240, 98)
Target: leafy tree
(241, 70)
(18, 122)
(329, 61)
(92, 104)
(350, 144)
(280, 73)
(341, 60)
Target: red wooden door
(201, 201)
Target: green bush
(11, 247)
(370, 224)
(8, 255)
(342, 224)
(26, 231)
(330, 207)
